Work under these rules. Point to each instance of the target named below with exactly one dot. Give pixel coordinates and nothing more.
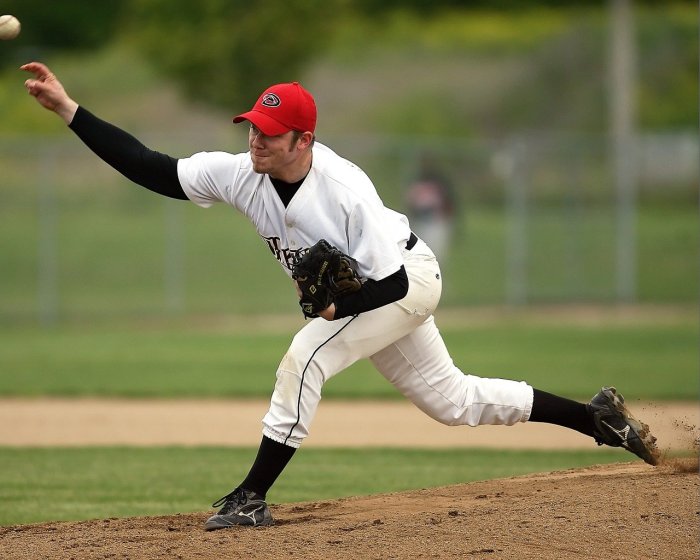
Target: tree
(227, 51)
(72, 25)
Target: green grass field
(72, 484)
(648, 360)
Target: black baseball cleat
(240, 508)
(615, 426)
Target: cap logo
(271, 100)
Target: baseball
(9, 27)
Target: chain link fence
(534, 219)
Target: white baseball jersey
(336, 202)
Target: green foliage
(539, 64)
(457, 31)
(227, 52)
(567, 85)
(668, 68)
(67, 25)
(120, 482)
(373, 7)
(493, 72)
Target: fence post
(516, 227)
(47, 251)
(622, 111)
(174, 265)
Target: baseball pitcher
(367, 284)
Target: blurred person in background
(431, 204)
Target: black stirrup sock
(271, 460)
(562, 412)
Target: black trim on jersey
(374, 294)
(303, 373)
(150, 169)
(412, 240)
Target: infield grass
(645, 358)
(56, 484)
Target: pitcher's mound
(622, 511)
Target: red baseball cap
(281, 108)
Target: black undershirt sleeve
(374, 294)
(150, 169)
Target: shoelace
(237, 496)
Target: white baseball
(9, 27)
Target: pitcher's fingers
(40, 71)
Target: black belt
(411, 243)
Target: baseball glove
(322, 274)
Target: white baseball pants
(405, 346)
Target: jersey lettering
(284, 255)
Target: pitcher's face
(273, 154)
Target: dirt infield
(68, 422)
(626, 511)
